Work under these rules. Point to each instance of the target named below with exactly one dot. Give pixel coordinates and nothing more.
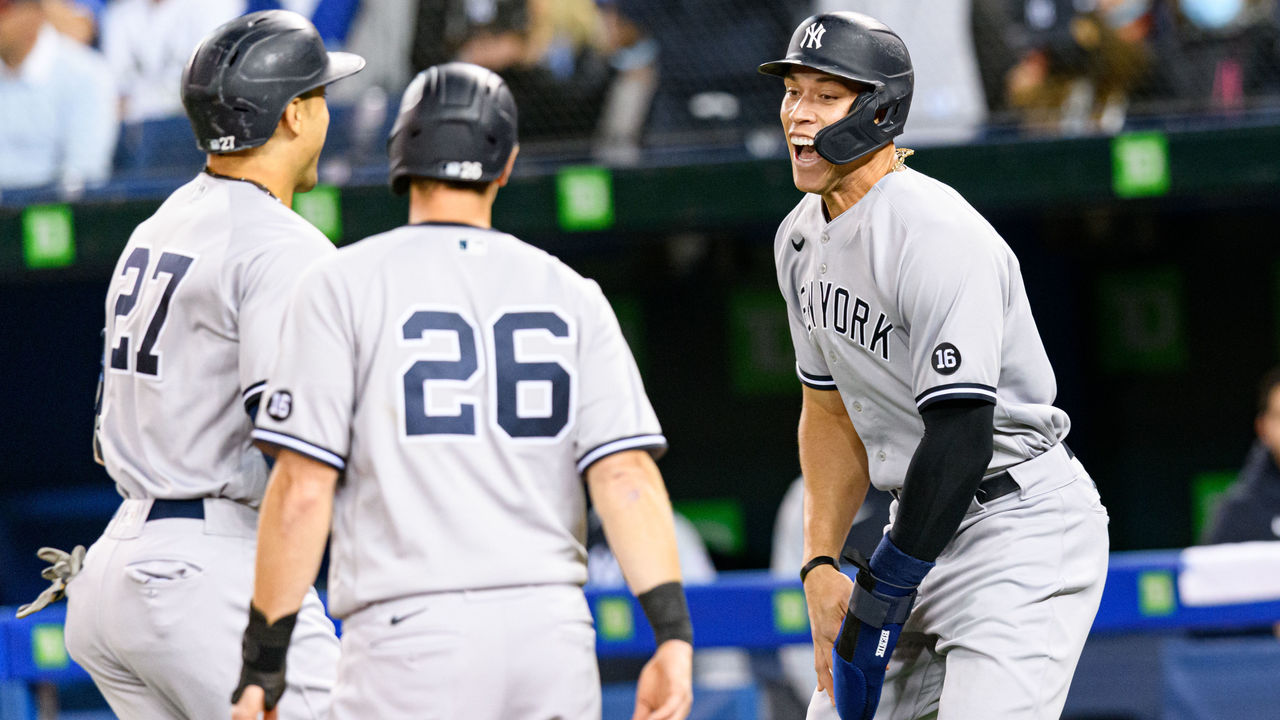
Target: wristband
(815, 562)
(668, 612)
(263, 652)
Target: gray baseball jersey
(194, 310)
(462, 381)
(907, 298)
(193, 319)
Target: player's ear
(505, 177)
(293, 116)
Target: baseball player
(193, 317)
(923, 375)
(442, 391)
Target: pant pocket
(157, 573)
(168, 593)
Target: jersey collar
(254, 183)
(437, 223)
(844, 225)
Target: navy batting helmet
(457, 122)
(866, 52)
(242, 75)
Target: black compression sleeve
(943, 476)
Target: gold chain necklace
(900, 156)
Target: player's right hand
(62, 567)
(250, 704)
(826, 592)
(665, 688)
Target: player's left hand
(62, 567)
(250, 706)
(826, 594)
(665, 688)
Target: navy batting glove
(884, 591)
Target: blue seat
(1221, 679)
(163, 144)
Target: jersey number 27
(146, 361)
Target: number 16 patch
(280, 405)
(946, 359)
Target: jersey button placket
(881, 456)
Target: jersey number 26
(507, 372)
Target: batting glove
(62, 567)
(883, 594)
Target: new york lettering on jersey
(844, 312)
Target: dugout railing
(1168, 608)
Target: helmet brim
(341, 64)
(781, 68)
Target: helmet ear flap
(892, 117)
(857, 133)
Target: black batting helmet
(243, 74)
(864, 51)
(457, 121)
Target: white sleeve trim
(254, 393)
(303, 447)
(616, 446)
(974, 391)
(821, 382)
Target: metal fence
(671, 73)
(617, 79)
(643, 81)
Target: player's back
(486, 375)
(192, 314)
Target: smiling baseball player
(193, 315)
(464, 384)
(924, 375)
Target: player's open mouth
(802, 151)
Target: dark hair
(1268, 383)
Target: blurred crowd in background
(90, 88)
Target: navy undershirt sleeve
(943, 476)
